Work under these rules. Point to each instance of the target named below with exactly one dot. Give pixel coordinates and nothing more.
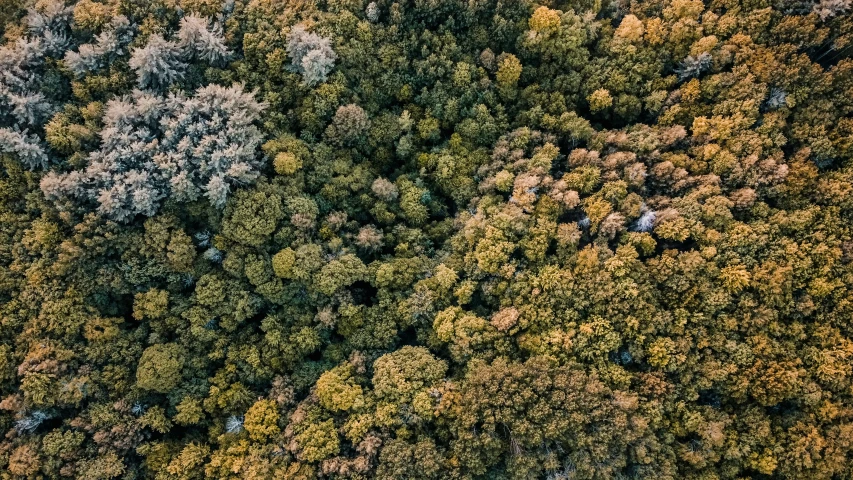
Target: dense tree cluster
(407, 239)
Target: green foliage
(262, 420)
(336, 391)
(339, 273)
(252, 217)
(150, 305)
(401, 375)
(318, 442)
(160, 367)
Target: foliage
(442, 240)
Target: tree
(26, 148)
(160, 367)
(252, 217)
(349, 123)
(158, 64)
(262, 420)
(311, 55)
(109, 45)
(161, 63)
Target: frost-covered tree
(776, 99)
(108, 45)
(212, 254)
(21, 66)
(28, 108)
(178, 147)
(646, 221)
(372, 12)
(20, 101)
(49, 21)
(694, 66)
(160, 62)
(26, 147)
(234, 424)
(17, 60)
(827, 9)
(201, 42)
(31, 422)
(311, 55)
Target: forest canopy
(426, 239)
